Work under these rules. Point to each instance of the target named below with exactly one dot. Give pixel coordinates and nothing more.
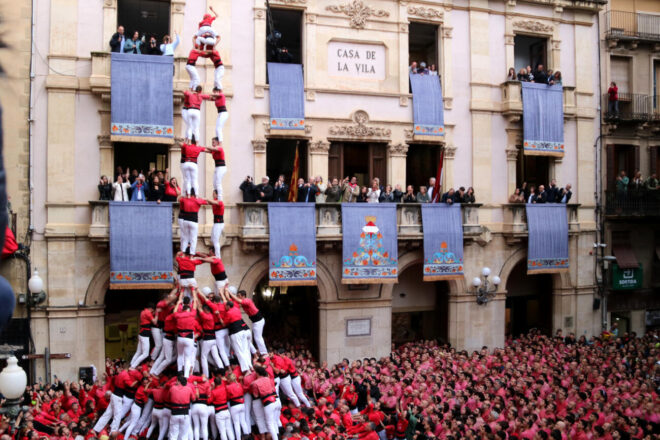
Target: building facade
(630, 58)
(359, 121)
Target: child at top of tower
(206, 36)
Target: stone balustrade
(512, 105)
(515, 220)
(99, 228)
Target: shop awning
(625, 256)
(287, 96)
(543, 119)
(428, 107)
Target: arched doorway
(419, 309)
(528, 301)
(291, 313)
(122, 315)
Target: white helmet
(206, 290)
(232, 290)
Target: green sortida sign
(625, 279)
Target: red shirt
(219, 209)
(191, 204)
(207, 321)
(262, 387)
(218, 155)
(220, 100)
(170, 323)
(186, 98)
(185, 320)
(249, 307)
(190, 152)
(613, 93)
(181, 394)
(146, 318)
(187, 264)
(217, 267)
(207, 20)
(169, 190)
(234, 391)
(219, 397)
(232, 315)
(163, 309)
(195, 99)
(140, 395)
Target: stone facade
(475, 41)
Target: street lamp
(36, 288)
(13, 381)
(488, 291)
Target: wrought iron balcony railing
(621, 25)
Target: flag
(438, 179)
(293, 188)
(10, 246)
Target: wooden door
(335, 161)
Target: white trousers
(179, 426)
(296, 384)
(219, 74)
(189, 171)
(239, 342)
(131, 425)
(157, 334)
(272, 416)
(126, 404)
(285, 387)
(194, 119)
(164, 423)
(247, 414)
(142, 351)
(210, 39)
(145, 418)
(223, 422)
(184, 116)
(222, 341)
(218, 174)
(258, 335)
(208, 347)
(113, 411)
(211, 418)
(216, 233)
(188, 235)
(165, 358)
(238, 419)
(185, 360)
(200, 419)
(259, 416)
(156, 416)
(220, 123)
(194, 76)
(250, 344)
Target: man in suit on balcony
(117, 41)
(566, 194)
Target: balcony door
(148, 17)
(621, 158)
(362, 160)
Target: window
(621, 158)
(148, 17)
(533, 169)
(362, 160)
(423, 44)
(620, 74)
(421, 164)
(530, 51)
(284, 44)
(280, 156)
(140, 157)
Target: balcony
(512, 105)
(514, 227)
(99, 229)
(633, 107)
(632, 204)
(631, 26)
(254, 222)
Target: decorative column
(396, 168)
(259, 49)
(318, 158)
(105, 156)
(448, 167)
(176, 17)
(259, 147)
(109, 22)
(310, 54)
(403, 54)
(512, 154)
(446, 79)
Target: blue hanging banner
(547, 250)
(543, 119)
(443, 241)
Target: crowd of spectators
(134, 186)
(421, 69)
(316, 190)
(536, 387)
(536, 76)
(145, 44)
(532, 194)
(638, 183)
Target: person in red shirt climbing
(207, 321)
(223, 115)
(238, 331)
(263, 390)
(185, 313)
(218, 207)
(189, 154)
(195, 98)
(258, 320)
(168, 353)
(181, 395)
(163, 308)
(187, 265)
(147, 320)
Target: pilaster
(396, 168)
(176, 17)
(259, 50)
(318, 157)
(109, 21)
(448, 167)
(259, 149)
(106, 167)
(512, 154)
(404, 62)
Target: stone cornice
(358, 12)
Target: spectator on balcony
(556, 79)
(172, 190)
(516, 197)
(156, 191)
(118, 40)
(320, 189)
(422, 70)
(413, 67)
(350, 189)
(469, 196)
(622, 182)
(409, 196)
(652, 182)
(120, 188)
(423, 195)
(152, 47)
(167, 47)
(134, 45)
(565, 194)
(540, 76)
(280, 190)
(397, 193)
(459, 195)
(433, 70)
(105, 189)
(511, 76)
(373, 193)
(613, 100)
(333, 192)
(386, 196)
(140, 189)
(531, 198)
(552, 194)
(248, 188)
(264, 190)
(523, 76)
(306, 190)
(449, 197)
(530, 74)
(363, 197)
(431, 187)
(542, 196)
(637, 182)
(524, 190)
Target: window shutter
(653, 161)
(610, 171)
